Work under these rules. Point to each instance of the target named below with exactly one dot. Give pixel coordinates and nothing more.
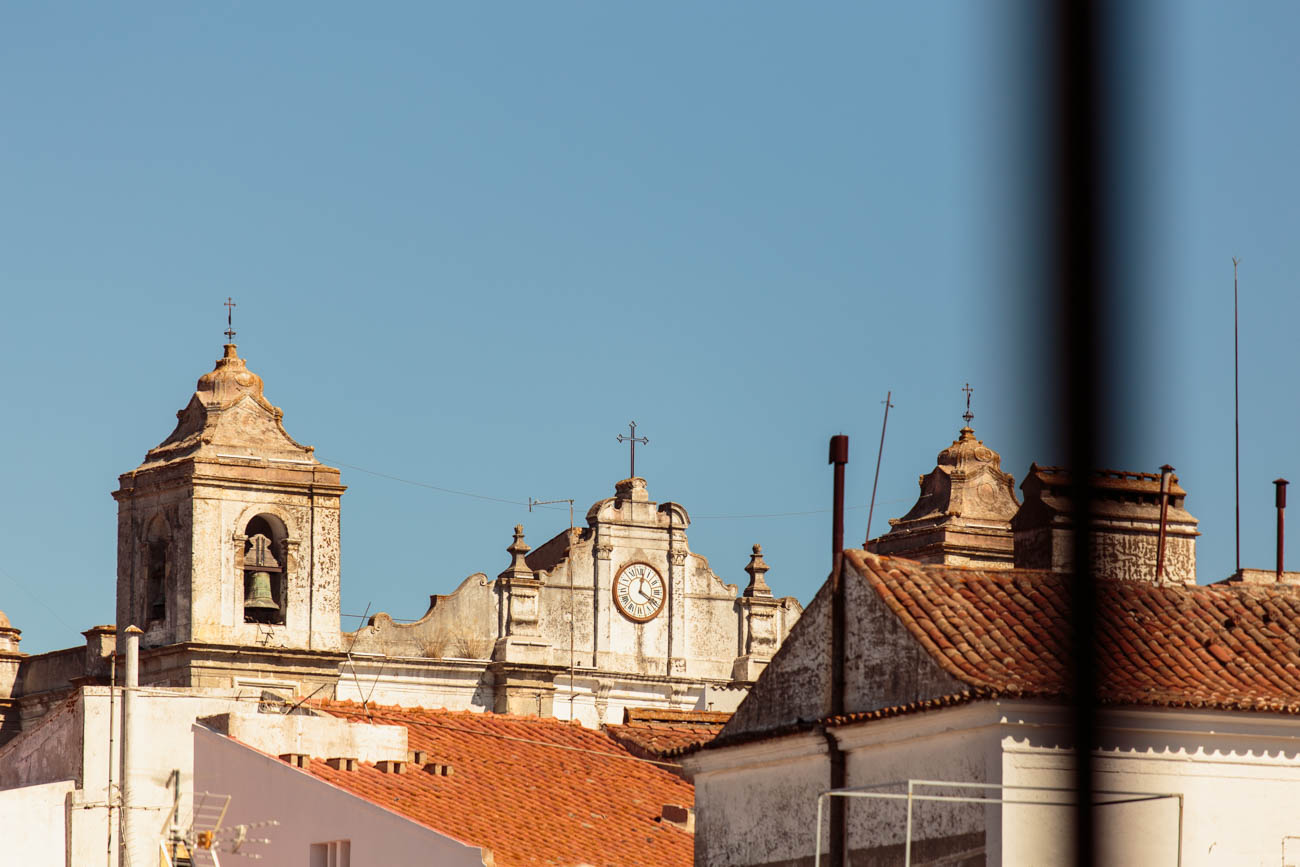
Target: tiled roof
(1004, 633)
(532, 790)
(656, 734)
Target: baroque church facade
(228, 561)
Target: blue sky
(468, 244)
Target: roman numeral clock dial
(639, 592)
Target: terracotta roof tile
(1232, 646)
(656, 734)
(532, 790)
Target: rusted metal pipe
(839, 456)
(1165, 473)
(1281, 524)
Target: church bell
(259, 562)
(259, 592)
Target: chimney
(682, 817)
(391, 766)
(1281, 526)
(342, 763)
(839, 456)
(1142, 530)
(297, 760)
(130, 815)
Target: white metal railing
(1113, 797)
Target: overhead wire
(507, 501)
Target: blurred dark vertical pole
(1079, 177)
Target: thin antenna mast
(871, 511)
(1236, 408)
(569, 569)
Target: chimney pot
(683, 817)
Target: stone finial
(518, 548)
(966, 452)
(633, 489)
(8, 635)
(757, 566)
(229, 379)
(518, 568)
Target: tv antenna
(573, 615)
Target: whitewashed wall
(1239, 774)
(33, 825)
(312, 811)
(79, 746)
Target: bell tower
(228, 541)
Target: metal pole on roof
(817, 852)
(1281, 526)
(1166, 472)
(130, 686)
(1236, 409)
(907, 846)
(872, 509)
(839, 456)
(569, 570)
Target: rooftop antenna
(230, 306)
(572, 607)
(206, 833)
(872, 509)
(1236, 408)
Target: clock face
(639, 592)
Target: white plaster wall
(432, 683)
(324, 737)
(757, 803)
(1239, 774)
(75, 746)
(312, 811)
(33, 826)
(959, 745)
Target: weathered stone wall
(883, 664)
(699, 632)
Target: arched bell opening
(155, 594)
(265, 561)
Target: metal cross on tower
(968, 415)
(230, 328)
(633, 439)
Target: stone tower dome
(963, 515)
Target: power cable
(510, 502)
